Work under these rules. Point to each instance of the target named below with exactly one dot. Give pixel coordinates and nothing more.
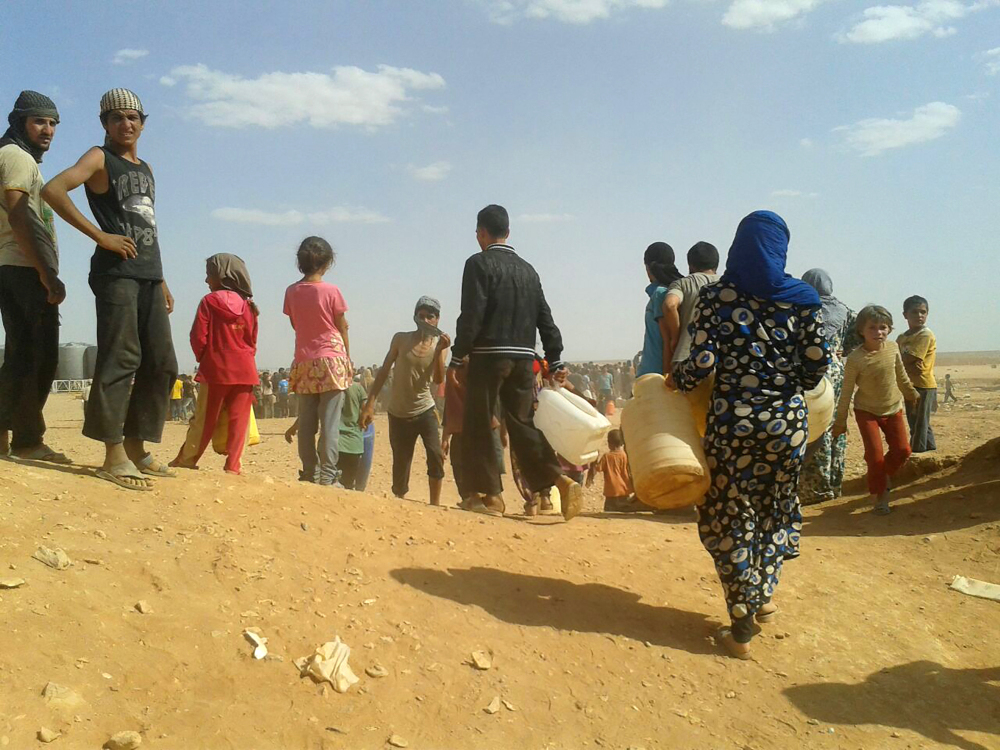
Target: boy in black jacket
(502, 307)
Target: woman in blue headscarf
(823, 472)
(760, 331)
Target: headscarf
(232, 273)
(659, 259)
(756, 262)
(28, 104)
(428, 303)
(835, 312)
(121, 99)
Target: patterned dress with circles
(765, 355)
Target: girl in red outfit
(224, 340)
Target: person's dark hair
(872, 314)
(703, 256)
(104, 117)
(315, 255)
(911, 302)
(494, 220)
(615, 439)
(659, 259)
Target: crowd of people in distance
(762, 338)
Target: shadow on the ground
(920, 696)
(76, 469)
(536, 601)
(940, 511)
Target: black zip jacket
(503, 305)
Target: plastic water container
(821, 404)
(574, 428)
(819, 401)
(668, 464)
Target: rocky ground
(596, 633)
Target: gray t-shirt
(410, 394)
(687, 290)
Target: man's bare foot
(125, 475)
(143, 459)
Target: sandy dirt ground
(599, 630)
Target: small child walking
(919, 349)
(617, 478)
(321, 371)
(224, 341)
(875, 377)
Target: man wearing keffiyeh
(30, 289)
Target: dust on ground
(598, 631)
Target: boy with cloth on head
(682, 297)
(30, 289)
(136, 366)
(415, 358)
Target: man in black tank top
(136, 366)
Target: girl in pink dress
(321, 371)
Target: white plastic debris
(973, 587)
(329, 664)
(258, 641)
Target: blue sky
(602, 125)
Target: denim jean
(320, 412)
(136, 366)
(31, 354)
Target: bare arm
(342, 326)
(368, 410)
(32, 236)
(670, 327)
(89, 169)
(440, 357)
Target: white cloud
(125, 56)
(432, 172)
(432, 110)
(168, 81)
(545, 218)
(567, 11)
(792, 194)
(884, 23)
(350, 96)
(765, 14)
(872, 137)
(335, 215)
(992, 58)
(806, 143)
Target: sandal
(152, 467)
(119, 473)
(491, 505)
(42, 453)
(724, 637)
(767, 613)
(570, 496)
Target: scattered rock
(11, 583)
(258, 641)
(397, 741)
(731, 694)
(142, 607)
(304, 526)
(509, 706)
(377, 670)
(494, 706)
(61, 697)
(54, 558)
(46, 735)
(896, 735)
(481, 660)
(337, 730)
(124, 741)
(93, 561)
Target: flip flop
(571, 496)
(43, 453)
(118, 473)
(724, 637)
(159, 470)
(768, 615)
